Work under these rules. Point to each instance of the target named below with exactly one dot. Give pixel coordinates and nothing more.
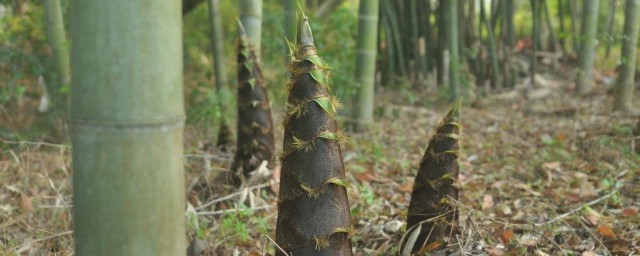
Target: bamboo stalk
(395, 32)
(562, 30)
(536, 37)
(493, 54)
(217, 51)
(454, 61)
(251, 18)
(625, 82)
(610, 28)
(58, 42)
(366, 62)
(574, 26)
(584, 79)
(127, 118)
(552, 34)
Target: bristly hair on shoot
(313, 209)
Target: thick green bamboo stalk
(251, 18)
(58, 42)
(395, 33)
(496, 9)
(418, 59)
(126, 120)
(470, 33)
(561, 29)
(636, 133)
(432, 214)
(552, 34)
(509, 35)
(535, 34)
(624, 84)
(443, 24)
(366, 61)
(428, 38)
(610, 29)
(588, 41)
(574, 25)
(217, 51)
(313, 209)
(255, 125)
(390, 49)
(493, 53)
(454, 58)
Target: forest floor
(555, 175)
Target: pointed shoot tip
(241, 30)
(455, 109)
(306, 37)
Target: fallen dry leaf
(407, 186)
(493, 251)
(367, 176)
(629, 212)
(26, 204)
(487, 202)
(588, 253)
(507, 236)
(606, 231)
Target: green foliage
(24, 53)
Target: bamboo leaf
(411, 240)
(316, 60)
(252, 82)
(331, 136)
(326, 104)
(292, 49)
(318, 75)
(340, 182)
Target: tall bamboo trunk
(574, 25)
(535, 31)
(509, 34)
(454, 56)
(552, 34)
(255, 125)
(127, 120)
(58, 42)
(217, 51)
(610, 28)
(432, 212)
(366, 61)
(394, 32)
(442, 23)
(584, 79)
(313, 210)
(561, 28)
(493, 53)
(251, 18)
(624, 84)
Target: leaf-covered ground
(555, 175)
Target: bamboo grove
(449, 43)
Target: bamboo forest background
(542, 135)
(410, 51)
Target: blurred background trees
(495, 44)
